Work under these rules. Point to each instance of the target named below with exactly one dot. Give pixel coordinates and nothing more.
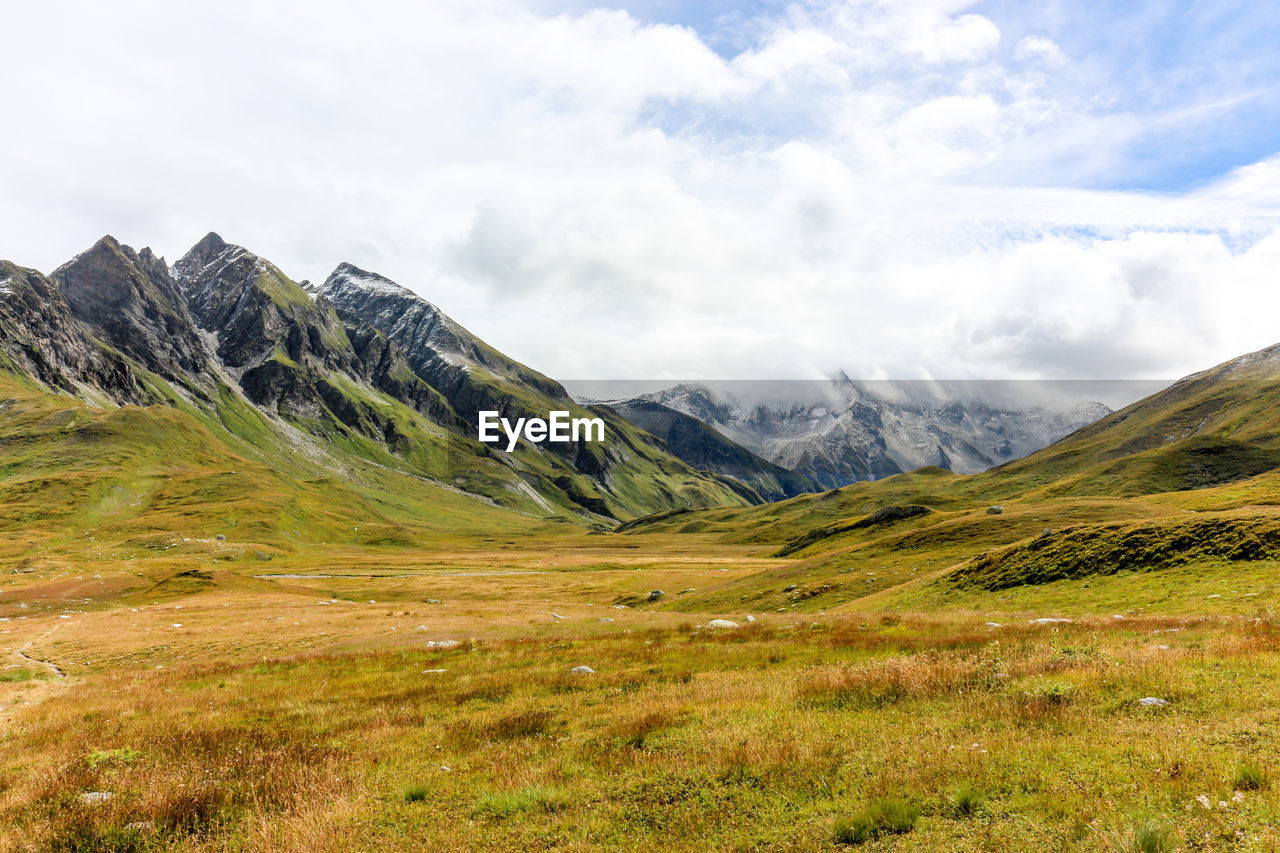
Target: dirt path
(22, 653)
(19, 696)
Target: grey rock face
(437, 348)
(284, 345)
(40, 336)
(256, 311)
(128, 301)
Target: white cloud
(1038, 49)
(872, 186)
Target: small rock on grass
(750, 618)
(1152, 702)
(95, 797)
(656, 594)
(583, 670)
(722, 623)
(443, 644)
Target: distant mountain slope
(843, 431)
(167, 481)
(1216, 431)
(706, 449)
(1218, 426)
(1187, 476)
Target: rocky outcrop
(256, 312)
(41, 338)
(468, 373)
(437, 348)
(128, 301)
(289, 349)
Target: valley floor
(301, 705)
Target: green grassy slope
(159, 480)
(1187, 477)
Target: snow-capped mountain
(841, 431)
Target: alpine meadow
(857, 508)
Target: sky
(907, 189)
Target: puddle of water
(383, 577)
(308, 577)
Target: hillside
(221, 365)
(1187, 476)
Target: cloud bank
(895, 189)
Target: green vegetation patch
(883, 516)
(1111, 548)
(880, 817)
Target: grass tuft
(1251, 777)
(416, 793)
(101, 757)
(13, 676)
(885, 816)
(966, 799)
(521, 724)
(535, 798)
(1150, 837)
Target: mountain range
(358, 396)
(841, 431)
(352, 381)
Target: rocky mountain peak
(347, 275)
(255, 310)
(211, 251)
(130, 301)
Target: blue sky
(893, 188)
(1203, 76)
